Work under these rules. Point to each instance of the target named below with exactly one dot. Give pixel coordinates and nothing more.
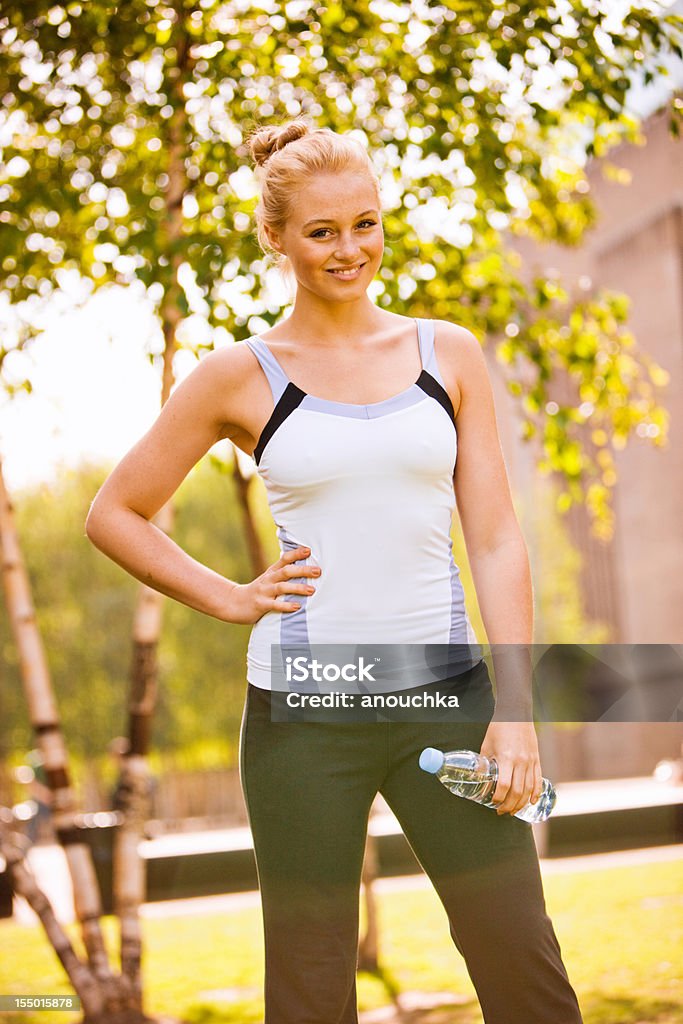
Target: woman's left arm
(500, 564)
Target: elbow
(92, 523)
(98, 524)
(106, 523)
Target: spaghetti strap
(277, 378)
(425, 331)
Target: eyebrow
(324, 220)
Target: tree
(84, 607)
(106, 996)
(124, 160)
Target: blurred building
(634, 583)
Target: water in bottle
(475, 776)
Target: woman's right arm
(201, 410)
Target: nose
(347, 248)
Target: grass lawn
(620, 929)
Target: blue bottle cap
(431, 759)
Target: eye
(317, 232)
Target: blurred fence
(209, 798)
(212, 795)
(207, 794)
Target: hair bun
(266, 141)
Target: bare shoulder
(211, 403)
(227, 383)
(461, 360)
(228, 366)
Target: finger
(292, 571)
(518, 792)
(288, 587)
(285, 606)
(538, 785)
(292, 556)
(527, 788)
(533, 785)
(503, 784)
(515, 795)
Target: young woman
(354, 416)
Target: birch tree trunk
(368, 949)
(86, 987)
(135, 783)
(243, 485)
(104, 994)
(368, 953)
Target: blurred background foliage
(84, 606)
(122, 129)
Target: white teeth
(346, 273)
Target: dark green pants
(308, 787)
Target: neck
(329, 323)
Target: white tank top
(369, 489)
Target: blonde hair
(286, 156)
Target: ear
(273, 239)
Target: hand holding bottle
(475, 777)
(514, 747)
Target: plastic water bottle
(474, 776)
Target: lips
(346, 271)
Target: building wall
(635, 582)
(636, 247)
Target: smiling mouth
(346, 271)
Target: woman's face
(334, 223)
